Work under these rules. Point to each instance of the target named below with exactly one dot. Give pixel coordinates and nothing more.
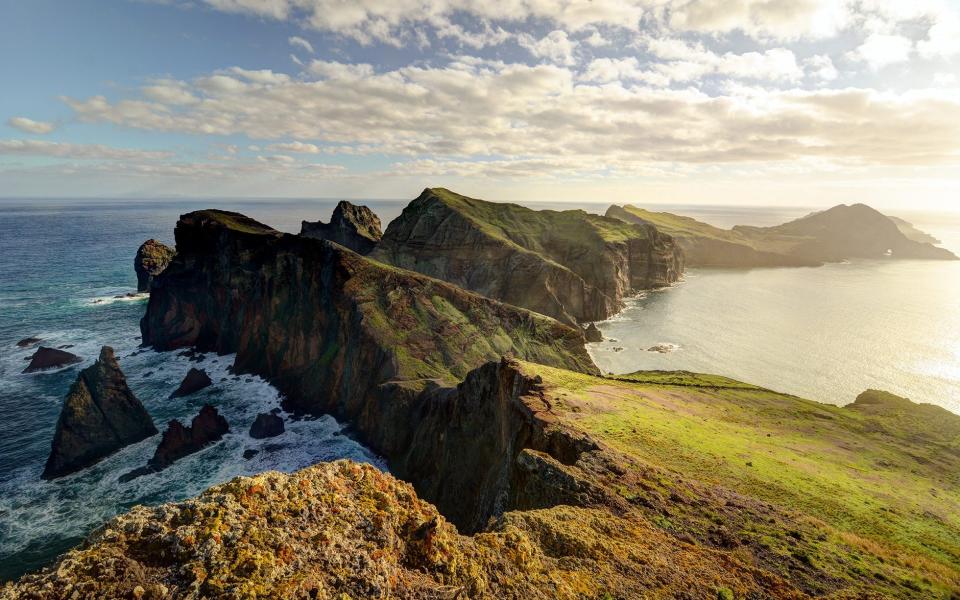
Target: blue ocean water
(823, 333)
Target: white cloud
(298, 147)
(30, 126)
(76, 151)
(943, 38)
(821, 66)
(556, 47)
(880, 50)
(473, 108)
(299, 42)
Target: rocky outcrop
(346, 530)
(266, 425)
(592, 333)
(705, 245)
(194, 381)
(570, 265)
(328, 326)
(351, 226)
(50, 358)
(100, 415)
(841, 232)
(179, 441)
(152, 258)
(28, 341)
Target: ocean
(825, 333)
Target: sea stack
(50, 358)
(152, 258)
(100, 416)
(179, 441)
(352, 226)
(195, 380)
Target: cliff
(854, 231)
(569, 265)
(664, 484)
(352, 226)
(705, 245)
(100, 415)
(334, 331)
(151, 259)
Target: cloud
(473, 109)
(76, 151)
(30, 126)
(556, 47)
(821, 66)
(880, 50)
(299, 42)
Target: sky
(773, 102)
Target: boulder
(196, 380)
(592, 333)
(152, 258)
(356, 227)
(50, 358)
(179, 441)
(30, 341)
(265, 426)
(100, 415)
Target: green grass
(680, 226)
(881, 474)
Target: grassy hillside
(877, 481)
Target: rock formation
(592, 333)
(352, 226)
(152, 258)
(194, 381)
(179, 441)
(28, 341)
(570, 265)
(100, 415)
(328, 326)
(50, 358)
(266, 425)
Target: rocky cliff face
(152, 258)
(334, 331)
(100, 415)
(352, 226)
(569, 265)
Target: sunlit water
(824, 333)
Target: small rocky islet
(517, 470)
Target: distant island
(832, 235)
(453, 344)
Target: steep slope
(854, 231)
(356, 227)
(705, 245)
(334, 331)
(910, 230)
(100, 415)
(151, 259)
(570, 265)
(665, 485)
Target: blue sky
(727, 101)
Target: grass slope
(878, 479)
